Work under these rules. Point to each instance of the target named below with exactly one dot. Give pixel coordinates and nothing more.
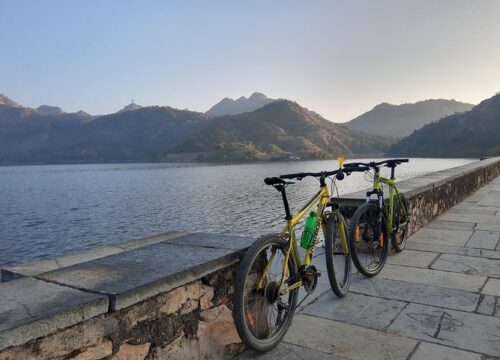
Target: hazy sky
(337, 58)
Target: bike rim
(266, 313)
(340, 262)
(369, 250)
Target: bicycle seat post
(281, 189)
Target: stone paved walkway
(439, 299)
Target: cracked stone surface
(417, 293)
(452, 237)
(427, 351)
(483, 239)
(356, 309)
(347, 340)
(433, 277)
(467, 331)
(468, 265)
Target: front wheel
(261, 314)
(338, 258)
(368, 240)
(399, 236)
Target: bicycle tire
(251, 335)
(358, 246)
(399, 246)
(334, 255)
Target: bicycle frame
(393, 192)
(321, 198)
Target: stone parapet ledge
(166, 296)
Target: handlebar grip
(292, 176)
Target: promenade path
(439, 299)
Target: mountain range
(398, 121)
(241, 105)
(474, 134)
(279, 130)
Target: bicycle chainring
(310, 276)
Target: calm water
(47, 211)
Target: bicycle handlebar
(303, 175)
(391, 163)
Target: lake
(50, 210)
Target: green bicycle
(372, 222)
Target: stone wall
(429, 201)
(193, 321)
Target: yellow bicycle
(271, 272)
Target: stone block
(489, 200)
(461, 330)
(216, 241)
(433, 277)
(284, 351)
(488, 227)
(468, 265)
(132, 352)
(218, 325)
(96, 352)
(184, 298)
(457, 250)
(430, 235)
(492, 287)
(471, 209)
(483, 240)
(133, 276)
(412, 258)
(346, 340)
(451, 225)
(486, 305)
(428, 351)
(356, 309)
(475, 218)
(46, 265)
(32, 308)
(417, 293)
(150, 240)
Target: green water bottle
(309, 230)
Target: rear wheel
(368, 240)
(262, 316)
(401, 222)
(338, 259)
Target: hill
(231, 107)
(470, 134)
(49, 110)
(5, 101)
(130, 107)
(401, 120)
(279, 130)
(276, 131)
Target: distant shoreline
(213, 163)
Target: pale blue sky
(338, 58)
